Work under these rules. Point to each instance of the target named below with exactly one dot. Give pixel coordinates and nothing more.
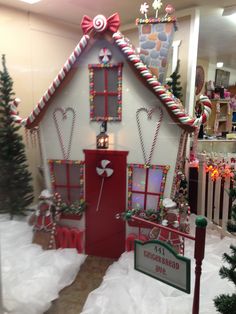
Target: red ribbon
(113, 23)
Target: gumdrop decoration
(105, 55)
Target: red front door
(105, 193)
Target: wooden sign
(159, 260)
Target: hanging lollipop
(169, 10)
(104, 172)
(157, 4)
(144, 9)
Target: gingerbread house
(110, 132)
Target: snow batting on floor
(127, 291)
(31, 277)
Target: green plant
(76, 208)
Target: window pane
(60, 174)
(99, 80)
(139, 176)
(112, 79)
(74, 174)
(112, 106)
(154, 180)
(74, 195)
(99, 106)
(152, 202)
(63, 193)
(137, 200)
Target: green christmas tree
(232, 193)
(15, 179)
(175, 84)
(225, 303)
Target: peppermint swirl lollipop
(169, 9)
(100, 23)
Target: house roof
(172, 104)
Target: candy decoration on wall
(105, 55)
(63, 116)
(144, 9)
(104, 171)
(52, 88)
(166, 98)
(100, 23)
(157, 4)
(149, 112)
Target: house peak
(100, 24)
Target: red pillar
(199, 251)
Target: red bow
(112, 23)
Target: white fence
(213, 200)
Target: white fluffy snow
(127, 291)
(31, 277)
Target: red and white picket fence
(213, 200)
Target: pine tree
(232, 193)
(15, 179)
(225, 303)
(175, 84)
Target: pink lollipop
(169, 9)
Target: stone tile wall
(155, 42)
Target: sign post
(159, 260)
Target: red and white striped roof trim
(168, 100)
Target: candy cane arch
(165, 96)
(52, 88)
(104, 172)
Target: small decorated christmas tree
(175, 84)
(15, 187)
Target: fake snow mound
(31, 277)
(127, 291)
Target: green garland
(149, 214)
(75, 208)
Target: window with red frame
(146, 186)
(67, 178)
(105, 81)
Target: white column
(175, 46)
(192, 60)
